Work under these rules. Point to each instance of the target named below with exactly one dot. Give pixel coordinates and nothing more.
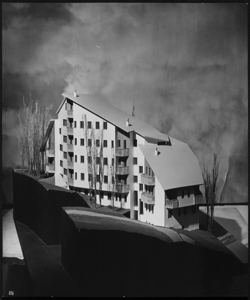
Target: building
(132, 164)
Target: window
(140, 169)
(193, 209)
(170, 213)
(112, 144)
(61, 163)
(97, 125)
(81, 124)
(75, 141)
(109, 194)
(141, 207)
(149, 171)
(97, 143)
(65, 105)
(98, 178)
(105, 179)
(105, 125)
(113, 161)
(182, 193)
(124, 144)
(125, 199)
(82, 159)
(179, 212)
(75, 175)
(64, 139)
(65, 171)
(60, 131)
(98, 160)
(105, 143)
(89, 142)
(65, 155)
(75, 158)
(105, 160)
(89, 124)
(90, 177)
(61, 147)
(82, 142)
(89, 160)
(146, 170)
(119, 143)
(135, 178)
(64, 122)
(75, 124)
(82, 176)
(135, 198)
(135, 160)
(185, 210)
(135, 143)
(188, 192)
(141, 187)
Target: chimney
(75, 95)
(127, 122)
(156, 151)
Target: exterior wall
(140, 162)
(56, 146)
(179, 219)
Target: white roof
(115, 116)
(175, 166)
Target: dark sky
(184, 65)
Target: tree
(210, 181)
(30, 135)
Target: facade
(132, 165)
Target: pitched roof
(175, 166)
(115, 116)
(46, 136)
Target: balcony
(50, 152)
(177, 203)
(122, 170)
(70, 164)
(50, 168)
(122, 152)
(70, 147)
(148, 180)
(69, 112)
(70, 130)
(147, 198)
(70, 181)
(122, 188)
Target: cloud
(184, 65)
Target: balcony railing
(172, 203)
(176, 203)
(50, 167)
(70, 113)
(70, 130)
(50, 152)
(147, 198)
(122, 188)
(198, 199)
(70, 164)
(122, 152)
(70, 147)
(148, 180)
(122, 170)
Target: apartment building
(95, 146)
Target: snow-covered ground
(234, 219)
